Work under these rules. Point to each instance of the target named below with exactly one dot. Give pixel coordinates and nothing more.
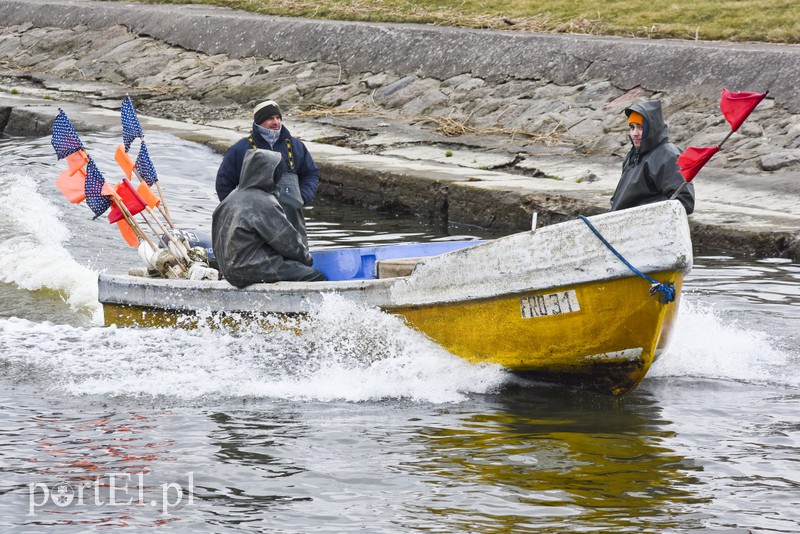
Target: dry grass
(721, 20)
(388, 11)
(450, 127)
(355, 111)
(445, 126)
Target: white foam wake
(707, 344)
(32, 253)
(341, 352)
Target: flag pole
(179, 246)
(164, 202)
(726, 138)
(677, 191)
(183, 245)
(163, 211)
(149, 225)
(162, 207)
(138, 229)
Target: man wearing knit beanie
(265, 110)
(650, 172)
(300, 175)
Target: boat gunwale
(510, 265)
(318, 290)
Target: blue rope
(667, 289)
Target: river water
(353, 422)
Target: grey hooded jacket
(252, 238)
(651, 174)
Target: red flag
(132, 200)
(737, 106)
(692, 160)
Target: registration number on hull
(549, 304)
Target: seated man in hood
(252, 238)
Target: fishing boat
(589, 302)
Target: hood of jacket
(655, 129)
(261, 169)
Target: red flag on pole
(132, 200)
(737, 106)
(692, 160)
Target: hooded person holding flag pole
(650, 171)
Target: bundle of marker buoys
(169, 254)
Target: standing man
(650, 172)
(300, 177)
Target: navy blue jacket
(301, 161)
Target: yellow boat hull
(601, 335)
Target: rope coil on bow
(665, 289)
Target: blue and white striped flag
(65, 139)
(131, 129)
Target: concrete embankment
(479, 127)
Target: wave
(340, 352)
(710, 344)
(32, 247)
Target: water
(349, 421)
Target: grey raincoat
(252, 238)
(651, 174)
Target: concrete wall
(658, 65)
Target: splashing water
(709, 345)
(341, 351)
(32, 252)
